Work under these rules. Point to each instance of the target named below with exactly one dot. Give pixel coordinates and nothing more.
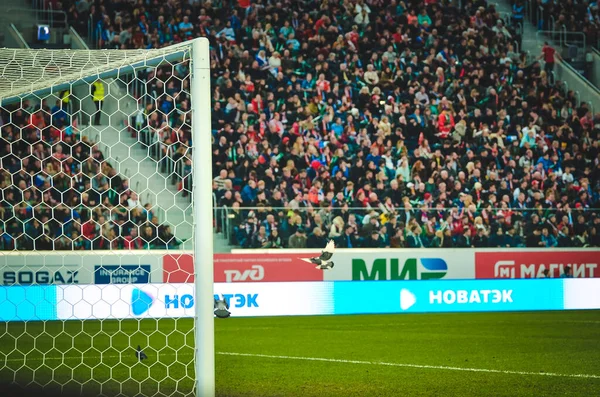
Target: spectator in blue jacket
(548, 239)
(249, 193)
(545, 161)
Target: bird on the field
(222, 308)
(323, 261)
(140, 354)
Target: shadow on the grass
(12, 390)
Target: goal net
(105, 164)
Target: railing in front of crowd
(18, 39)
(53, 18)
(566, 41)
(91, 32)
(560, 68)
(214, 204)
(230, 220)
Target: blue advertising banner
(28, 303)
(122, 274)
(447, 296)
(121, 301)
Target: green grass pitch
(537, 354)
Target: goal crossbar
(25, 72)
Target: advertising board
(121, 274)
(26, 303)
(177, 300)
(126, 301)
(355, 265)
(247, 267)
(448, 296)
(581, 293)
(56, 268)
(531, 264)
(447, 264)
(401, 264)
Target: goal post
(102, 210)
(203, 218)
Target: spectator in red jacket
(445, 123)
(133, 241)
(548, 54)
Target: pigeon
(222, 308)
(323, 262)
(140, 354)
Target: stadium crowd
(374, 123)
(57, 191)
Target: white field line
(328, 360)
(438, 367)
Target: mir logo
(384, 269)
(141, 301)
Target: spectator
(185, 27)
(298, 239)
(518, 11)
(374, 240)
(413, 237)
(275, 240)
(548, 54)
(481, 239)
(337, 228)
(548, 240)
(564, 240)
(438, 240)
(513, 239)
(97, 92)
(260, 239)
(348, 239)
(316, 239)
(464, 240)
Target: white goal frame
(203, 219)
(15, 87)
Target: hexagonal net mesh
(25, 71)
(96, 221)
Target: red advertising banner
(244, 268)
(531, 264)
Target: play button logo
(407, 299)
(141, 301)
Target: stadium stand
(570, 16)
(59, 193)
(374, 123)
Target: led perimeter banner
(130, 301)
